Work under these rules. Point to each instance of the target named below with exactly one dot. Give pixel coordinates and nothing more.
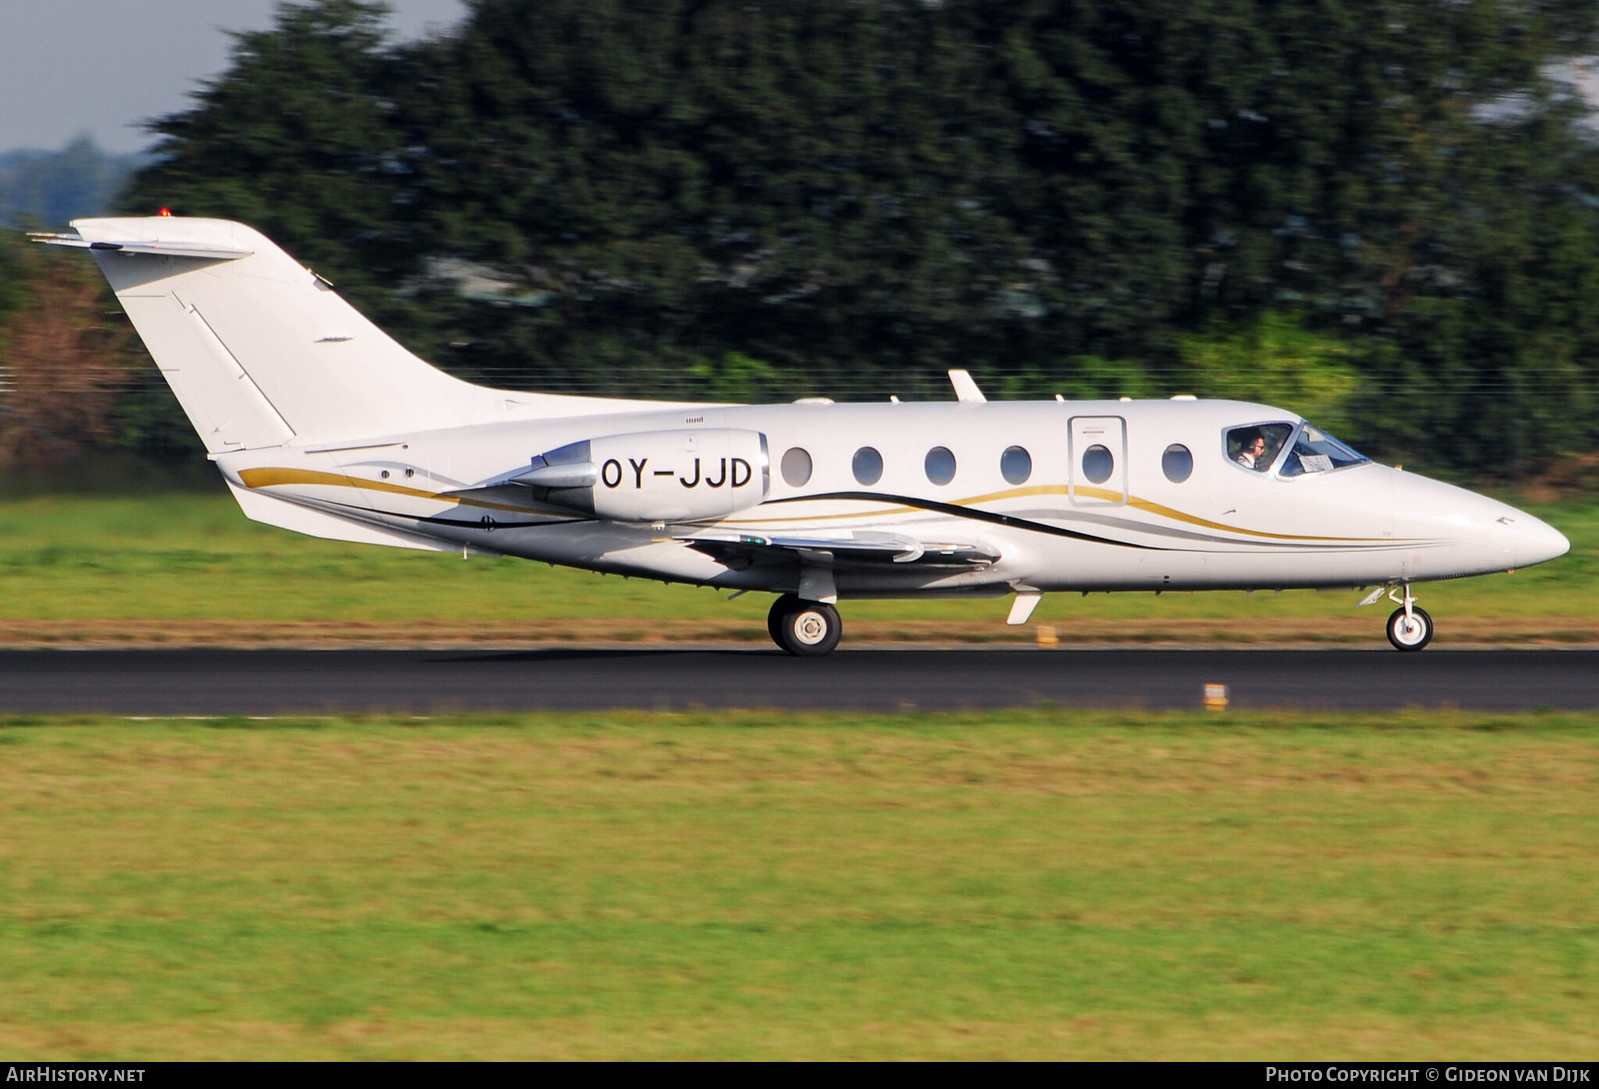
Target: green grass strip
(1031, 884)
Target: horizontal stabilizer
(184, 248)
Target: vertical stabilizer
(258, 349)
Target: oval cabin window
(1016, 465)
(867, 465)
(1177, 463)
(1098, 464)
(796, 467)
(940, 465)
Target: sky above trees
(101, 67)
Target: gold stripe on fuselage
(270, 478)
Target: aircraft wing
(740, 550)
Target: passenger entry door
(1097, 460)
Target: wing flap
(863, 549)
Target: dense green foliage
(847, 198)
(12, 286)
(77, 390)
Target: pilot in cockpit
(1252, 451)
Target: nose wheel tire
(1410, 632)
(808, 629)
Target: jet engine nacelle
(655, 476)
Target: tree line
(1381, 213)
(46, 188)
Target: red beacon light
(165, 211)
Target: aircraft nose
(1536, 541)
(1489, 535)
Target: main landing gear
(809, 629)
(1409, 628)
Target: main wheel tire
(1412, 632)
(774, 617)
(808, 629)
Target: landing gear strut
(1409, 628)
(809, 629)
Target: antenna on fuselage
(965, 387)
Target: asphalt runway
(276, 682)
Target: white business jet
(323, 424)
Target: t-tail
(259, 350)
(262, 352)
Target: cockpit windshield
(1315, 451)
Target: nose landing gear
(1409, 628)
(808, 629)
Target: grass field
(188, 567)
(1038, 884)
